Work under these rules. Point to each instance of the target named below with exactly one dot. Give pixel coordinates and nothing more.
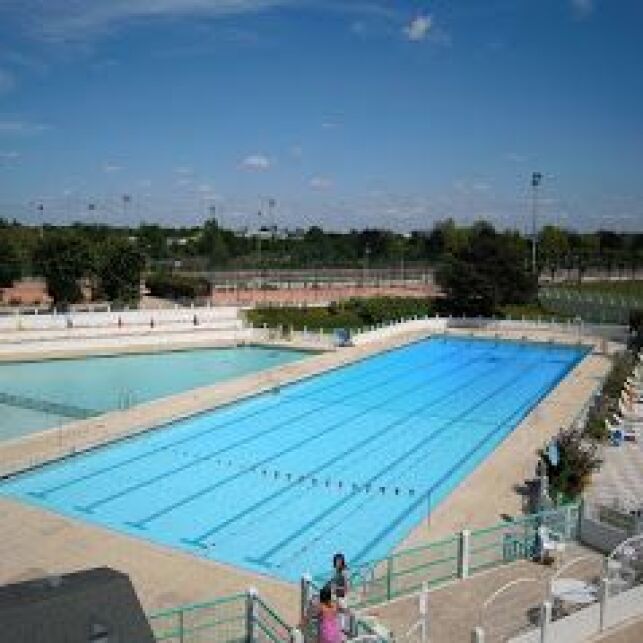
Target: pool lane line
(265, 557)
(533, 395)
(525, 405)
(333, 460)
(241, 442)
(211, 429)
(521, 413)
(378, 448)
(140, 524)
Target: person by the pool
(329, 629)
(339, 580)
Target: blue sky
(346, 112)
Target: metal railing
(458, 556)
(222, 620)
(230, 619)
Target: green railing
(231, 619)
(406, 571)
(268, 625)
(401, 573)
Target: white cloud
(256, 162)
(76, 20)
(320, 183)
(582, 8)
(7, 81)
(418, 28)
(184, 171)
(10, 157)
(296, 151)
(329, 125)
(515, 157)
(110, 168)
(358, 27)
(20, 127)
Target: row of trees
(213, 246)
(480, 269)
(67, 261)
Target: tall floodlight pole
(536, 180)
(259, 248)
(126, 199)
(41, 211)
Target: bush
(354, 313)
(578, 459)
(636, 329)
(607, 402)
(171, 286)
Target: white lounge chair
(619, 429)
(552, 544)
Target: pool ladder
(126, 400)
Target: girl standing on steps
(329, 630)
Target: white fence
(195, 316)
(585, 623)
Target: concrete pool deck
(34, 541)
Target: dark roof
(72, 607)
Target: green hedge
(354, 313)
(171, 286)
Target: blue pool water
(346, 461)
(39, 395)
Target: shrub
(578, 459)
(172, 286)
(354, 313)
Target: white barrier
(374, 334)
(588, 622)
(116, 319)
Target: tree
(213, 245)
(486, 274)
(467, 291)
(10, 268)
(554, 247)
(64, 259)
(120, 265)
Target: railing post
(545, 621)
(296, 636)
(477, 635)
(181, 628)
(389, 576)
(464, 552)
(304, 595)
(568, 522)
(604, 600)
(251, 614)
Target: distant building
(92, 606)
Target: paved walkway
(33, 541)
(620, 477)
(455, 609)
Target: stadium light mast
(536, 180)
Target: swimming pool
(349, 460)
(39, 395)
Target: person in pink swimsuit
(329, 630)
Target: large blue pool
(346, 461)
(39, 395)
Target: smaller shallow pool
(40, 395)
